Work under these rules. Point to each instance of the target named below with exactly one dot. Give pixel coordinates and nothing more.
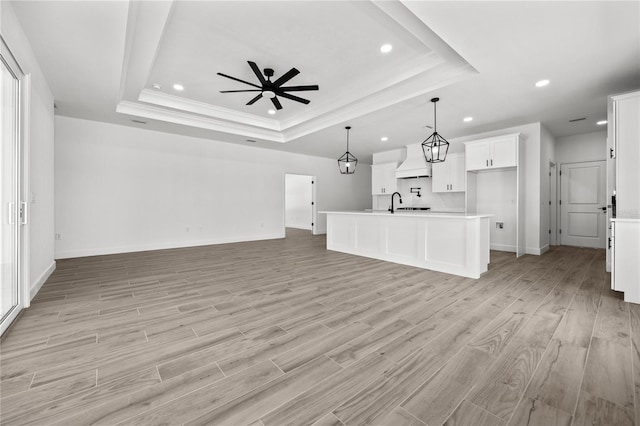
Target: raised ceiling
(482, 59)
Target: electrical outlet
(500, 225)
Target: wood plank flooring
(284, 332)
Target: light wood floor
(283, 332)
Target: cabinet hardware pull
(492, 161)
(487, 163)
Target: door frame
(314, 202)
(554, 171)
(22, 172)
(559, 224)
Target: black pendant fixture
(435, 147)
(347, 163)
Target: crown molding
(188, 119)
(203, 108)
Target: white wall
(297, 201)
(578, 148)
(40, 156)
(496, 195)
(122, 189)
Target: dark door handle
(604, 209)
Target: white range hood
(415, 165)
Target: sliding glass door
(10, 293)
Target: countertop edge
(416, 214)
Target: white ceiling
(481, 58)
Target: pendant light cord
(435, 120)
(348, 128)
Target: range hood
(415, 165)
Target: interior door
(10, 298)
(583, 204)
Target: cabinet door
(376, 179)
(627, 137)
(383, 178)
(477, 155)
(440, 176)
(503, 152)
(390, 183)
(456, 173)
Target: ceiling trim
(189, 119)
(147, 22)
(203, 108)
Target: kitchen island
(455, 243)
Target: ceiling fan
(271, 89)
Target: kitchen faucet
(399, 197)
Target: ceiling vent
(577, 119)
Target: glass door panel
(10, 227)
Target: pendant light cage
(435, 147)
(347, 162)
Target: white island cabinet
(453, 243)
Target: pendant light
(435, 147)
(347, 163)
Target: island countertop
(410, 213)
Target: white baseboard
(35, 286)
(537, 251)
(503, 247)
(306, 228)
(67, 254)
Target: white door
(11, 300)
(582, 204)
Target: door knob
(604, 209)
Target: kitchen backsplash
(441, 201)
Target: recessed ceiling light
(272, 111)
(156, 86)
(384, 139)
(467, 119)
(542, 83)
(386, 48)
(178, 87)
(601, 122)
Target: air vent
(251, 140)
(577, 119)
(139, 122)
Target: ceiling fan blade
(238, 91)
(298, 88)
(276, 103)
(257, 72)
(286, 77)
(241, 81)
(293, 98)
(252, 101)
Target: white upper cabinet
(625, 132)
(383, 178)
(449, 175)
(492, 153)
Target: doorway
(300, 202)
(13, 296)
(583, 204)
